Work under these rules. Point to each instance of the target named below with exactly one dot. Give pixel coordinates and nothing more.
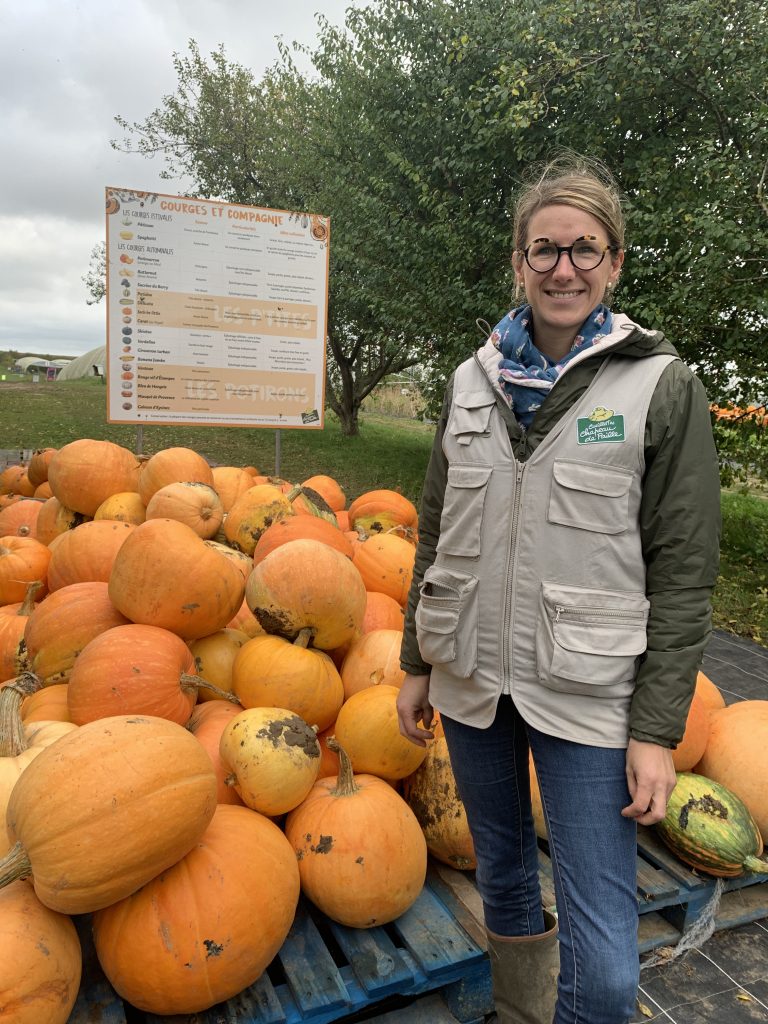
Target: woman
(568, 549)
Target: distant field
(389, 452)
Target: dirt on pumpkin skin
(293, 732)
(275, 623)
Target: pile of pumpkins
(198, 674)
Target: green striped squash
(708, 827)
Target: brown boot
(524, 973)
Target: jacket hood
(626, 337)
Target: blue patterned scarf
(526, 374)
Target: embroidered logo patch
(600, 426)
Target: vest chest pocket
(446, 620)
(588, 641)
(589, 497)
(471, 416)
(462, 516)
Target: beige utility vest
(538, 585)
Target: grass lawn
(390, 453)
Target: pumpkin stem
(15, 864)
(345, 783)
(314, 503)
(189, 682)
(305, 635)
(28, 604)
(12, 739)
(756, 864)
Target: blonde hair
(571, 180)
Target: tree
(419, 122)
(96, 278)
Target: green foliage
(740, 602)
(742, 446)
(419, 122)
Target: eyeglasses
(543, 255)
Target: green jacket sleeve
(680, 531)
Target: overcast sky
(66, 70)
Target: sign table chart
(216, 312)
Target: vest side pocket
(588, 641)
(446, 620)
(462, 516)
(589, 496)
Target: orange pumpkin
(20, 743)
(77, 814)
(84, 473)
(210, 925)
(300, 527)
(373, 660)
(37, 471)
(269, 671)
(124, 507)
(20, 518)
(361, 852)
(207, 723)
(245, 621)
(230, 483)
(367, 728)
(134, 670)
(260, 507)
(307, 584)
(47, 705)
(342, 518)
(166, 576)
(273, 756)
(172, 465)
(214, 657)
(243, 562)
(14, 480)
(380, 510)
(87, 553)
(382, 612)
(14, 658)
(43, 491)
(194, 504)
(59, 628)
(432, 795)
(691, 747)
(40, 960)
(709, 693)
(736, 755)
(23, 560)
(55, 519)
(329, 489)
(385, 563)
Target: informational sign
(216, 313)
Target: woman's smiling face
(562, 298)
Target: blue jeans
(593, 851)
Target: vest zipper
(511, 564)
(602, 613)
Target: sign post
(216, 313)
